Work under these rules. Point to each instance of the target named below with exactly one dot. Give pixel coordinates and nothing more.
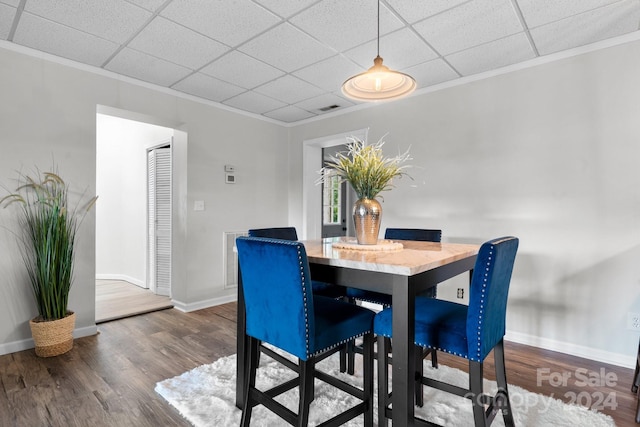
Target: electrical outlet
(460, 293)
(633, 321)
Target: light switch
(198, 205)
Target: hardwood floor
(109, 379)
(116, 299)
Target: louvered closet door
(159, 168)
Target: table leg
(403, 352)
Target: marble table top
(415, 257)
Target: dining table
(400, 268)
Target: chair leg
(307, 368)
(503, 391)
(434, 358)
(475, 387)
(343, 357)
(252, 349)
(636, 375)
(418, 388)
(383, 379)
(367, 377)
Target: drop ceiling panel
(150, 5)
(254, 102)
(285, 8)
(469, 25)
(7, 13)
(199, 84)
(14, 3)
(599, 24)
(492, 55)
(289, 114)
(540, 12)
(146, 67)
(229, 23)
(242, 70)
(287, 48)
(399, 50)
(115, 20)
(413, 11)
(431, 73)
(289, 89)
(343, 24)
(177, 44)
(330, 73)
(322, 101)
(60, 40)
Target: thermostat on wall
(230, 178)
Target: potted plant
(48, 224)
(369, 172)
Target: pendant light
(378, 83)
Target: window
(331, 198)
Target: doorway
(123, 285)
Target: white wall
(548, 154)
(121, 215)
(48, 110)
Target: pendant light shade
(378, 83)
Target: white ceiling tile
(286, 48)
(289, 114)
(254, 102)
(229, 24)
(242, 70)
(431, 73)
(14, 3)
(150, 5)
(60, 40)
(492, 55)
(417, 10)
(285, 8)
(399, 50)
(344, 24)
(7, 13)
(540, 12)
(469, 25)
(588, 27)
(330, 73)
(322, 101)
(175, 43)
(146, 67)
(289, 89)
(208, 87)
(114, 20)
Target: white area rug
(205, 396)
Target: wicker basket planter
(54, 337)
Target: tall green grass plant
(46, 236)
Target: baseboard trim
(122, 277)
(598, 355)
(188, 307)
(15, 346)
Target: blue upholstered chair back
(420, 234)
(488, 295)
(277, 293)
(286, 233)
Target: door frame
(312, 193)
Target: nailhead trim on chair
(482, 302)
(304, 300)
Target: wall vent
(328, 108)
(230, 261)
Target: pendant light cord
(378, 27)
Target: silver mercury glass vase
(367, 215)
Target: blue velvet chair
(282, 310)
(290, 233)
(469, 331)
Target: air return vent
(328, 108)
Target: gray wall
(48, 111)
(548, 154)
